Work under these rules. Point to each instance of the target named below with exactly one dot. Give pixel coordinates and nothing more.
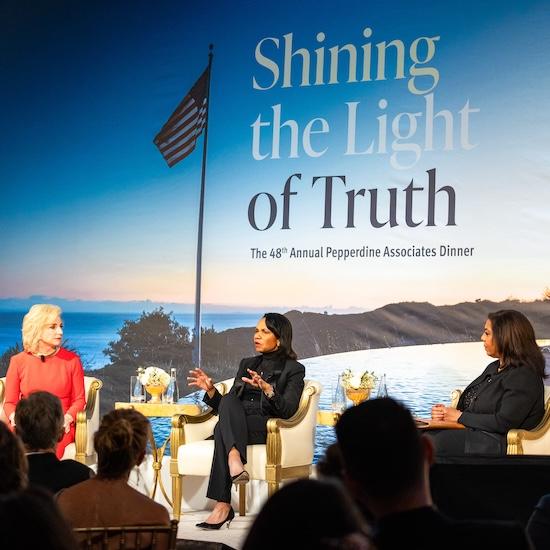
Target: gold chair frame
(274, 471)
(81, 424)
(82, 421)
(517, 436)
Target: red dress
(61, 374)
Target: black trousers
(235, 428)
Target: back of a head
(13, 462)
(307, 513)
(31, 519)
(120, 442)
(381, 447)
(39, 420)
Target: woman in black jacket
(508, 394)
(267, 385)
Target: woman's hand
(67, 421)
(258, 382)
(12, 420)
(438, 411)
(197, 377)
(447, 414)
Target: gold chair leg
(242, 499)
(176, 495)
(272, 487)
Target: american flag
(178, 136)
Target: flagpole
(197, 343)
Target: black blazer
(513, 398)
(46, 470)
(287, 383)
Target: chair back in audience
(143, 537)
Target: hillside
(394, 325)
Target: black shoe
(243, 477)
(213, 526)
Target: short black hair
(381, 447)
(280, 326)
(39, 420)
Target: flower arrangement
(153, 376)
(352, 381)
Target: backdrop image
(377, 172)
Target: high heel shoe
(213, 526)
(243, 477)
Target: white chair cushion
(195, 459)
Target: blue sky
(90, 210)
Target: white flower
(153, 376)
(365, 380)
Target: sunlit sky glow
(90, 210)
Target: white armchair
(525, 442)
(2, 391)
(287, 453)
(87, 422)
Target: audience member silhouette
(387, 465)
(309, 513)
(538, 526)
(39, 423)
(107, 499)
(13, 462)
(331, 466)
(31, 519)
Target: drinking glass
(339, 397)
(137, 394)
(382, 387)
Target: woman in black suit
(508, 394)
(267, 385)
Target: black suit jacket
(288, 384)
(47, 471)
(513, 398)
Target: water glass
(339, 397)
(137, 392)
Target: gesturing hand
(256, 380)
(197, 377)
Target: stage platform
(233, 537)
(480, 487)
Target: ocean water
(90, 333)
(416, 375)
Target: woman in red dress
(45, 365)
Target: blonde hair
(38, 317)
